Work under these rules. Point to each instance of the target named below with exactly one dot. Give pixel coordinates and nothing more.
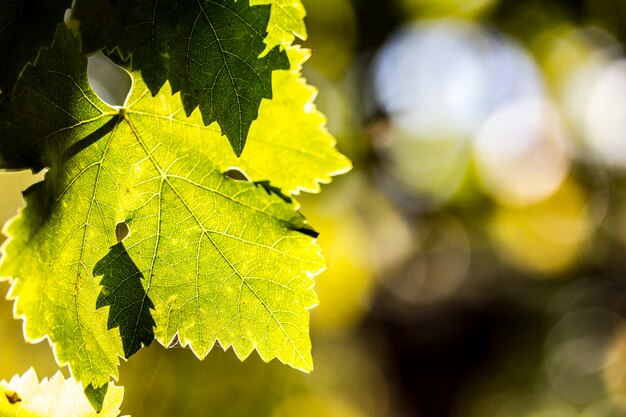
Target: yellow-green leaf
(286, 22)
(213, 259)
(26, 396)
(288, 143)
(209, 50)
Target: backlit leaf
(286, 22)
(219, 260)
(209, 50)
(25, 396)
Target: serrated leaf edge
(15, 299)
(311, 108)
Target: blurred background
(477, 251)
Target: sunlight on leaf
(208, 50)
(286, 22)
(224, 261)
(25, 396)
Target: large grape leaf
(223, 260)
(25, 396)
(209, 50)
(25, 26)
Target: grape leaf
(25, 26)
(25, 396)
(288, 142)
(224, 261)
(209, 50)
(22, 148)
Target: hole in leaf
(121, 231)
(235, 173)
(109, 81)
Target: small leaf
(55, 397)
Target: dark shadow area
(236, 174)
(90, 139)
(308, 230)
(270, 189)
(305, 228)
(12, 396)
(96, 396)
(129, 304)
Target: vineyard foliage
(171, 217)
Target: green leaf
(289, 143)
(286, 22)
(224, 260)
(209, 50)
(25, 27)
(24, 133)
(25, 396)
